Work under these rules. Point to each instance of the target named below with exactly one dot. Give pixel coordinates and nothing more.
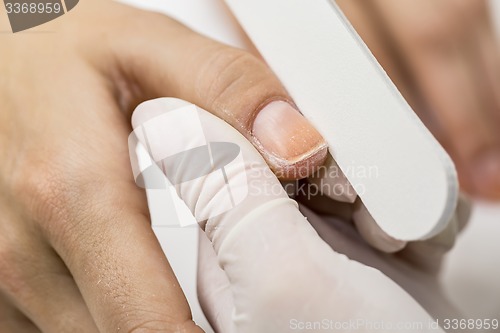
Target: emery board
(340, 87)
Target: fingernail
(289, 142)
(486, 175)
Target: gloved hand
(263, 267)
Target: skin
(74, 230)
(444, 57)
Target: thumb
(173, 61)
(279, 270)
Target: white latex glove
(265, 269)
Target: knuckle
(60, 197)
(42, 192)
(231, 72)
(51, 194)
(223, 61)
(228, 67)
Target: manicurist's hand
(445, 58)
(77, 253)
(267, 267)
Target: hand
(263, 268)
(444, 57)
(77, 253)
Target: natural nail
(292, 146)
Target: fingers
(96, 219)
(172, 60)
(362, 15)
(442, 40)
(214, 289)
(45, 292)
(36, 281)
(261, 240)
(118, 264)
(12, 320)
(488, 80)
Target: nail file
(412, 188)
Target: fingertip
(288, 141)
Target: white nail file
(403, 176)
